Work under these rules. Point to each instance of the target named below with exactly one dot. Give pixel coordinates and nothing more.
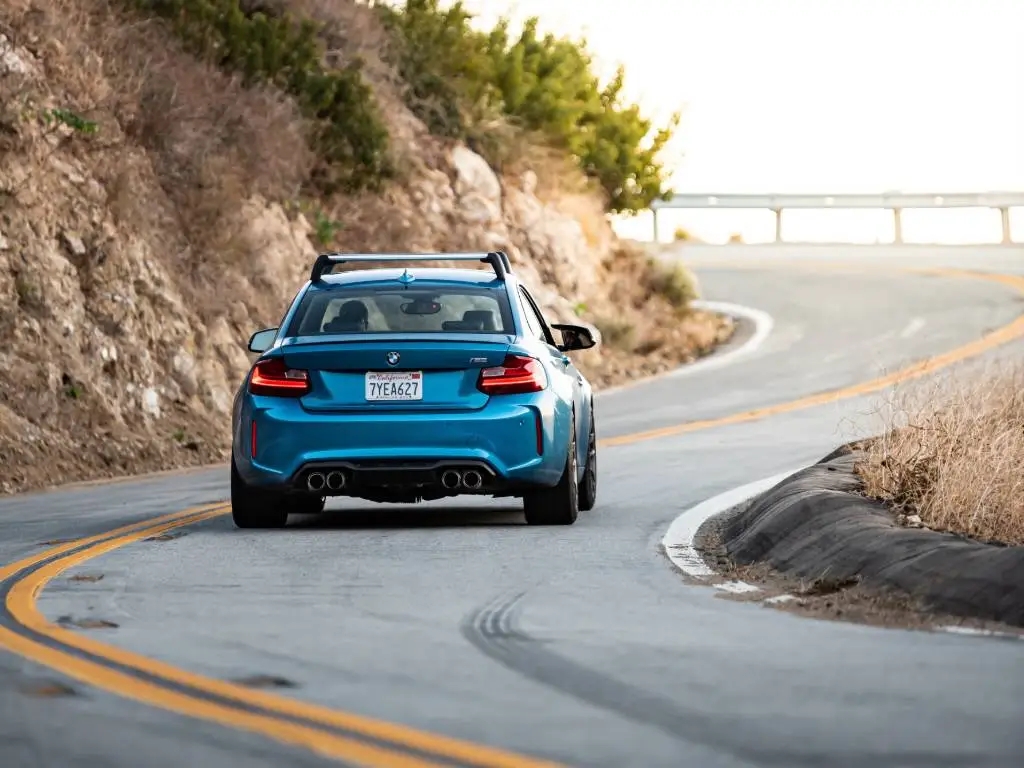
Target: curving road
(578, 646)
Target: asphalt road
(580, 646)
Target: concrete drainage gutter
(815, 524)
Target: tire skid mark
(493, 630)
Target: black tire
(255, 507)
(588, 486)
(559, 505)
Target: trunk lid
(355, 375)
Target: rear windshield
(420, 309)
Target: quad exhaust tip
(470, 479)
(317, 481)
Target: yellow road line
(998, 337)
(21, 604)
(9, 570)
(123, 684)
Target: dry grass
(955, 456)
(646, 283)
(647, 328)
(352, 31)
(560, 182)
(168, 120)
(108, 63)
(212, 142)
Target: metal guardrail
(886, 200)
(893, 201)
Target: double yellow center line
(353, 739)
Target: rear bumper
(411, 477)
(500, 441)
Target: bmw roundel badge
(393, 358)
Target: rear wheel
(588, 486)
(255, 507)
(559, 505)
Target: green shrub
(74, 121)
(459, 78)
(673, 282)
(446, 64)
(325, 228)
(350, 138)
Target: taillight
(272, 377)
(516, 375)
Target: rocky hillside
(152, 216)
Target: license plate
(407, 385)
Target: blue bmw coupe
(409, 384)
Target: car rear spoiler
(325, 261)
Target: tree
(459, 77)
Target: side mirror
(263, 340)
(574, 337)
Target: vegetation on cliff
(462, 81)
(270, 46)
(493, 90)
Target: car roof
(481, 277)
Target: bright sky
(823, 96)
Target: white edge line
(915, 325)
(953, 629)
(680, 537)
(763, 326)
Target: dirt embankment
(152, 217)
